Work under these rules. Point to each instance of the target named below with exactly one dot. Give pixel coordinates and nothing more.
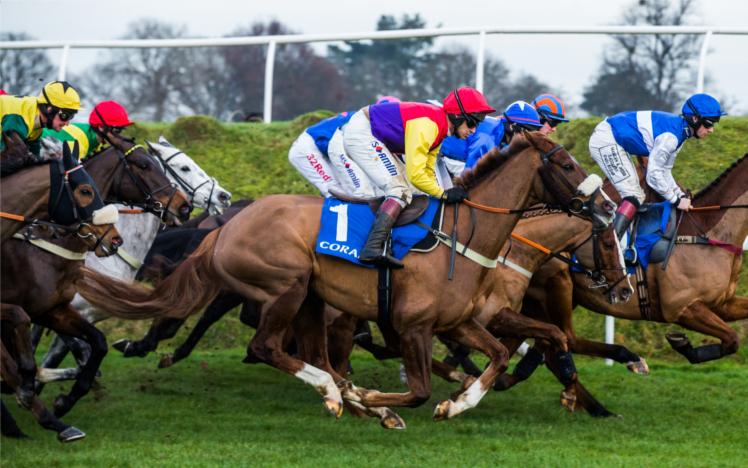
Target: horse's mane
(703, 192)
(489, 162)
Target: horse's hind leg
(65, 319)
(268, 345)
(18, 331)
(698, 317)
(161, 328)
(473, 335)
(214, 312)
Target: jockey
(552, 112)
(415, 130)
(657, 136)
(318, 154)
(106, 118)
(56, 105)
(308, 154)
(492, 132)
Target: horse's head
(204, 191)
(568, 184)
(75, 201)
(133, 176)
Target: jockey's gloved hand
(684, 203)
(455, 194)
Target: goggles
(66, 115)
(709, 122)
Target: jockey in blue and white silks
(656, 135)
(492, 132)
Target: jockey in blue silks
(492, 132)
(657, 136)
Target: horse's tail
(192, 285)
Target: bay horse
(266, 253)
(41, 283)
(697, 291)
(139, 230)
(88, 224)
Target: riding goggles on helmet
(472, 120)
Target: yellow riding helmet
(61, 95)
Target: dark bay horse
(266, 253)
(41, 283)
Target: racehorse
(139, 229)
(41, 283)
(81, 221)
(696, 291)
(266, 253)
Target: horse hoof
(441, 412)
(677, 340)
(392, 420)
(334, 407)
(569, 400)
(62, 405)
(70, 434)
(25, 398)
(122, 345)
(167, 360)
(638, 367)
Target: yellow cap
(60, 94)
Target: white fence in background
(481, 33)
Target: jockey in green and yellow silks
(26, 116)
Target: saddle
(655, 230)
(409, 214)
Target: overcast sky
(567, 63)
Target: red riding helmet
(466, 100)
(109, 114)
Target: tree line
(157, 84)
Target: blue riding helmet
(702, 105)
(523, 114)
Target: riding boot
(373, 251)
(625, 215)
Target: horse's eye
(568, 166)
(185, 168)
(86, 192)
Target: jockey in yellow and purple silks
(376, 133)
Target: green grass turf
(213, 410)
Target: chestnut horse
(267, 254)
(697, 291)
(41, 283)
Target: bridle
(183, 183)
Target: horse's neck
(24, 193)
(507, 187)
(557, 232)
(102, 168)
(138, 231)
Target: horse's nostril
(223, 196)
(117, 241)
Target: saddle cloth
(655, 226)
(345, 226)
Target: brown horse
(41, 283)
(697, 291)
(267, 254)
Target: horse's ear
(150, 146)
(70, 151)
(164, 141)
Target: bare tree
(23, 71)
(651, 70)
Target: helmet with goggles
(705, 108)
(550, 108)
(521, 114)
(466, 105)
(109, 114)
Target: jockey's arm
(13, 123)
(660, 167)
(420, 160)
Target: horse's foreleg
(473, 335)
(66, 320)
(8, 424)
(698, 317)
(161, 329)
(509, 323)
(220, 306)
